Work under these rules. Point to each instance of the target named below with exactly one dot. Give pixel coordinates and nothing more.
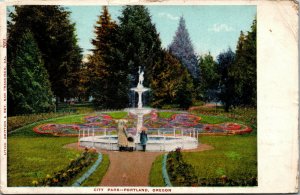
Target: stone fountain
(139, 111)
(162, 141)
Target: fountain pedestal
(139, 111)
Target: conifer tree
(227, 93)
(182, 48)
(28, 84)
(139, 42)
(244, 68)
(56, 40)
(102, 66)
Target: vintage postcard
(149, 96)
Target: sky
(211, 28)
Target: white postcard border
(277, 89)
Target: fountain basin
(155, 142)
(139, 111)
(139, 89)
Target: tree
(227, 85)
(185, 91)
(244, 68)
(182, 48)
(28, 84)
(102, 64)
(209, 78)
(56, 40)
(139, 43)
(171, 83)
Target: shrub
(180, 172)
(63, 177)
(183, 174)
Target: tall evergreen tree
(244, 68)
(182, 48)
(139, 43)
(102, 66)
(56, 39)
(28, 85)
(227, 85)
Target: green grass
(165, 114)
(117, 115)
(206, 119)
(33, 158)
(74, 119)
(233, 156)
(156, 178)
(96, 177)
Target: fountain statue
(139, 111)
(141, 78)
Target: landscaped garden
(232, 162)
(68, 88)
(42, 157)
(35, 159)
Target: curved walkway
(132, 168)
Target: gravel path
(131, 168)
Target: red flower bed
(150, 121)
(232, 126)
(57, 129)
(226, 129)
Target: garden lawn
(74, 119)
(166, 114)
(96, 177)
(117, 115)
(33, 158)
(233, 156)
(156, 178)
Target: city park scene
(131, 96)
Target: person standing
(143, 139)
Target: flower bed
(151, 121)
(226, 128)
(180, 172)
(57, 129)
(64, 176)
(183, 174)
(15, 122)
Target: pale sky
(211, 28)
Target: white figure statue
(141, 77)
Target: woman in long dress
(122, 135)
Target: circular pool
(155, 142)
